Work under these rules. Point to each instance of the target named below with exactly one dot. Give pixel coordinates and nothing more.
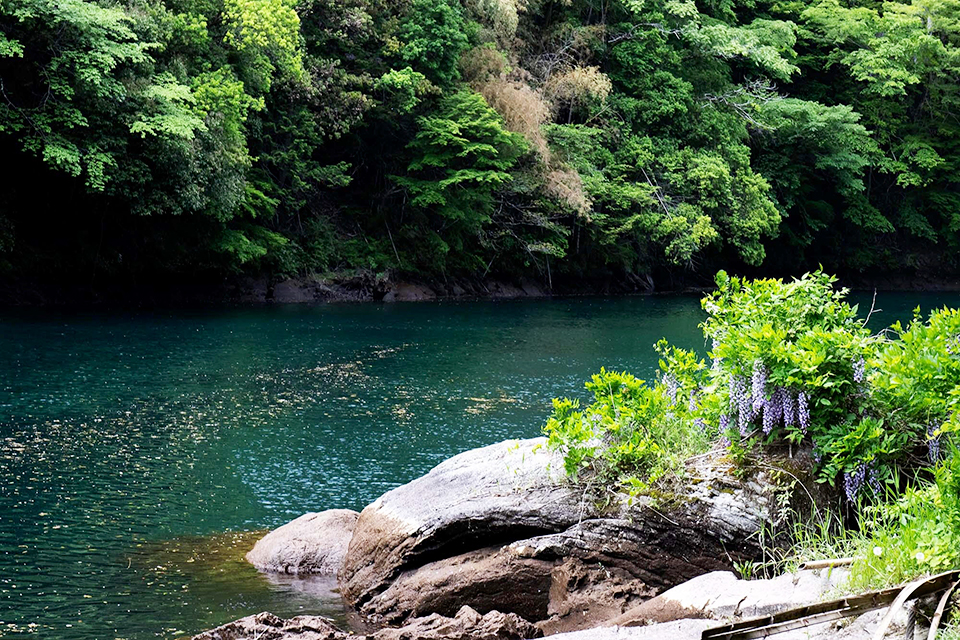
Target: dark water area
(141, 454)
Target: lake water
(141, 454)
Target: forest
(555, 139)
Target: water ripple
(130, 442)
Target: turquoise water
(129, 442)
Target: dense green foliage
(791, 362)
(630, 434)
(474, 136)
(908, 535)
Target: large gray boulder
(313, 543)
(500, 528)
(478, 499)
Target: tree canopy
(574, 138)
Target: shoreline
(536, 560)
(246, 291)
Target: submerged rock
(313, 543)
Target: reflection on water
(129, 442)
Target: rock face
(479, 499)
(313, 543)
(486, 579)
(294, 291)
(498, 528)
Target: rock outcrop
(313, 543)
(496, 544)
(480, 499)
(698, 604)
(500, 528)
(683, 612)
(721, 595)
(407, 292)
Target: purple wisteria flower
(873, 480)
(803, 411)
(773, 410)
(953, 345)
(769, 418)
(671, 384)
(745, 415)
(758, 384)
(740, 403)
(853, 482)
(863, 474)
(859, 370)
(700, 423)
(717, 362)
(737, 389)
(724, 423)
(789, 408)
(692, 403)
(933, 444)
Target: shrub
(578, 87)
(523, 109)
(791, 362)
(917, 378)
(630, 436)
(913, 534)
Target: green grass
(951, 631)
(909, 535)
